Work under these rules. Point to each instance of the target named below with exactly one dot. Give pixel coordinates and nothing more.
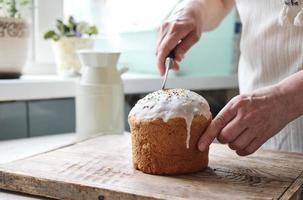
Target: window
(44, 14)
(111, 16)
(117, 15)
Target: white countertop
(30, 87)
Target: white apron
(271, 50)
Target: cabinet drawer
(13, 122)
(48, 117)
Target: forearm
(214, 12)
(291, 91)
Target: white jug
(99, 95)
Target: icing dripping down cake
(166, 126)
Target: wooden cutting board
(101, 168)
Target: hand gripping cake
(165, 128)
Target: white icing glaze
(172, 103)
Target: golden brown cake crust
(159, 147)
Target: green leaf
(71, 20)
(25, 2)
(71, 29)
(11, 7)
(72, 24)
(60, 26)
(93, 30)
(51, 35)
(84, 28)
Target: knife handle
(171, 54)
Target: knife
(170, 60)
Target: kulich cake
(165, 128)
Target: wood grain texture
(295, 191)
(101, 168)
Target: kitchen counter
(30, 87)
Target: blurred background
(131, 27)
(39, 68)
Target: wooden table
(101, 168)
(11, 150)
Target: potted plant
(14, 38)
(66, 40)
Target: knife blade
(168, 66)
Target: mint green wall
(212, 55)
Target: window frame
(44, 14)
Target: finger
(176, 66)
(231, 131)
(252, 147)
(222, 119)
(161, 34)
(186, 44)
(178, 57)
(169, 42)
(165, 47)
(241, 142)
